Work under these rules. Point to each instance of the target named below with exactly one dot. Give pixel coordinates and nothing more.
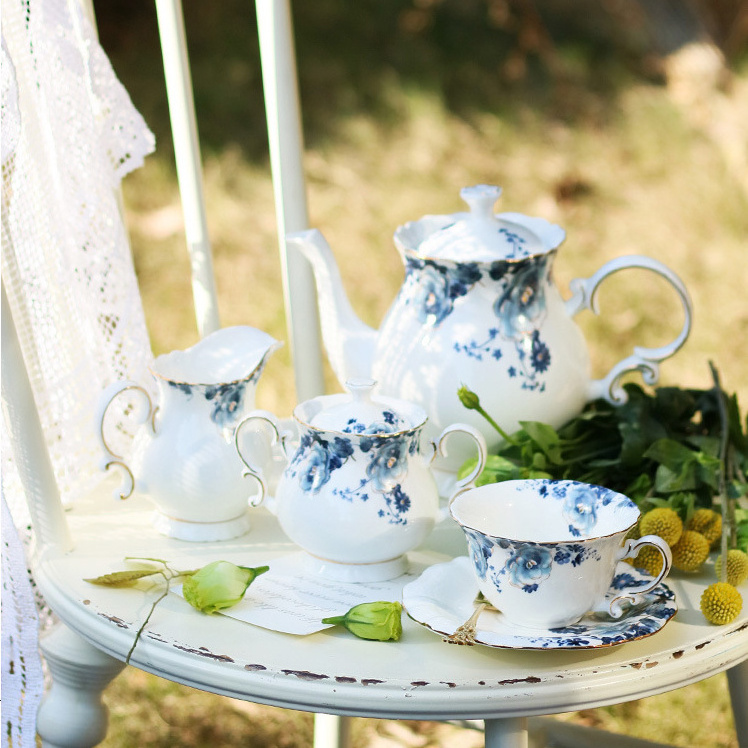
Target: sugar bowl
(357, 492)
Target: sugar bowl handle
(276, 436)
(440, 448)
(646, 360)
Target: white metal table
(419, 677)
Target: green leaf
(639, 488)
(736, 489)
(123, 578)
(670, 453)
(545, 437)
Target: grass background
(576, 109)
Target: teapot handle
(440, 449)
(646, 360)
(111, 458)
(276, 436)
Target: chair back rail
(188, 162)
(29, 445)
(283, 115)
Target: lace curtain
(69, 135)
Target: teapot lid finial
(481, 198)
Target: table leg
(737, 680)
(331, 731)
(507, 733)
(72, 714)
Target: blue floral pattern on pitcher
(226, 398)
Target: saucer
(442, 598)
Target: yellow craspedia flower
(721, 603)
(708, 523)
(649, 559)
(664, 522)
(690, 551)
(737, 567)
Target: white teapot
(478, 307)
(182, 454)
(357, 492)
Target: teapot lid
(479, 235)
(360, 413)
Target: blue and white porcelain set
(356, 479)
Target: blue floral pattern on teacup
(580, 508)
(581, 502)
(528, 566)
(480, 550)
(320, 454)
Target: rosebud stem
(472, 402)
(335, 620)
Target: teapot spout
(349, 342)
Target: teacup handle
(111, 458)
(646, 360)
(630, 549)
(440, 448)
(276, 437)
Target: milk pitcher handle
(645, 360)
(633, 594)
(276, 437)
(111, 458)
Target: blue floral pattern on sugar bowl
(182, 454)
(478, 306)
(357, 487)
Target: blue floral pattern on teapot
(434, 288)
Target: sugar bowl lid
(480, 236)
(359, 412)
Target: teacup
(545, 552)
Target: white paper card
(292, 601)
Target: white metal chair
(86, 654)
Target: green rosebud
(219, 585)
(468, 398)
(380, 621)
